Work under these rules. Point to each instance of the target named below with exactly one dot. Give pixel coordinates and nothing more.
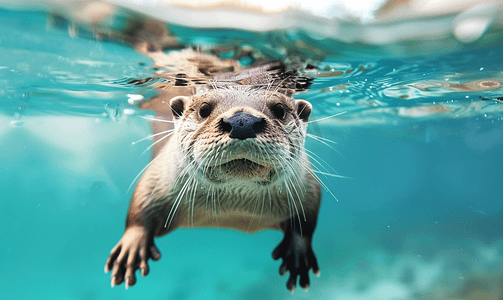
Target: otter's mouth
(240, 168)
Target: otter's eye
(279, 111)
(204, 110)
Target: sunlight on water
(408, 143)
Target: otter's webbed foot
(131, 253)
(298, 256)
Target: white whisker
(158, 120)
(141, 172)
(156, 142)
(318, 120)
(331, 175)
(153, 135)
(321, 140)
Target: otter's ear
(177, 105)
(303, 109)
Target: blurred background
(416, 86)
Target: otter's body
(236, 159)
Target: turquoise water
(419, 216)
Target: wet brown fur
(203, 178)
(157, 186)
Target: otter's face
(235, 135)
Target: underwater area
(406, 136)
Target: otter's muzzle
(243, 125)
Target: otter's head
(236, 135)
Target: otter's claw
(131, 253)
(298, 258)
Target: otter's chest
(235, 219)
(245, 210)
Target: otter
(236, 159)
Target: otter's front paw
(130, 254)
(298, 258)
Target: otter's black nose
(243, 125)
